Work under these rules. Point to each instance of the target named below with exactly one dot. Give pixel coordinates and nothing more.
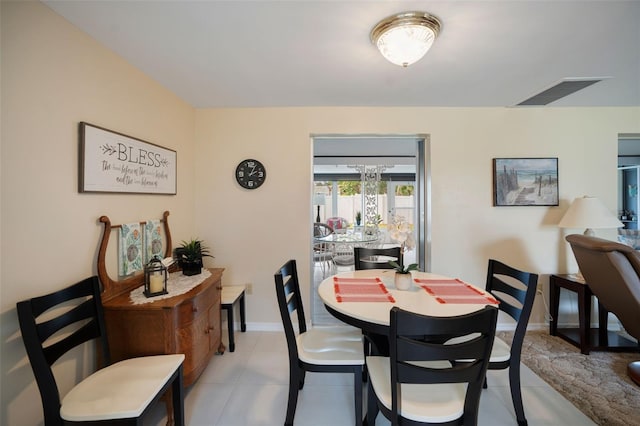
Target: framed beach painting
(525, 181)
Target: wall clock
(250, 174)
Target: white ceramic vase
(402, 281)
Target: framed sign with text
(113, 162)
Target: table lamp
(588, 213)
(318, 200)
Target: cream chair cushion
(331, 345)
(129, 385)
(428, 403)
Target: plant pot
(191, 268)
(403, 281)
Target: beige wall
(267, 226)
(54, 76)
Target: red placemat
(438, 281)
(451, 290)
(365, 298)
(454, 291)
(361, 290)
(478, 300)
(345, 280)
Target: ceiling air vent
(564, 88)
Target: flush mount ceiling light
(406, 37)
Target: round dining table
(350, 297)
(342, 244)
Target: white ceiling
(317, 53)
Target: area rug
(597, 384)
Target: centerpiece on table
(189, 256)
(400, 231)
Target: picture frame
(525, 182)
(114, 162)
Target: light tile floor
(249, 388)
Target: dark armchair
(612, 272)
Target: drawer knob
(194, 309)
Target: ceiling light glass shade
(405, 38)
(588, 212)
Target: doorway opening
(362, 186)
(629, 179)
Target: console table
(584, 337)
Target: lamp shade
(589, 213)
(406, 37)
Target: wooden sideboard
(188, 323)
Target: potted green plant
(189, 256)
(403, 269)
(402, 280)
(358, 218)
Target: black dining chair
(118, 394)
(516, 291)
(376, 258)
(420, 383)
(322, 350)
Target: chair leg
(177, 396)
(516, 393)
(377, 345)
(294, 388)
(367, 351)
(302, 376)
(372, 405)
(357, 395)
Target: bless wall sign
(113, 162)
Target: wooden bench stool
(230, 295)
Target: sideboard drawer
(199, 305)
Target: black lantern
(155, 278)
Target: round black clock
(250, 174)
